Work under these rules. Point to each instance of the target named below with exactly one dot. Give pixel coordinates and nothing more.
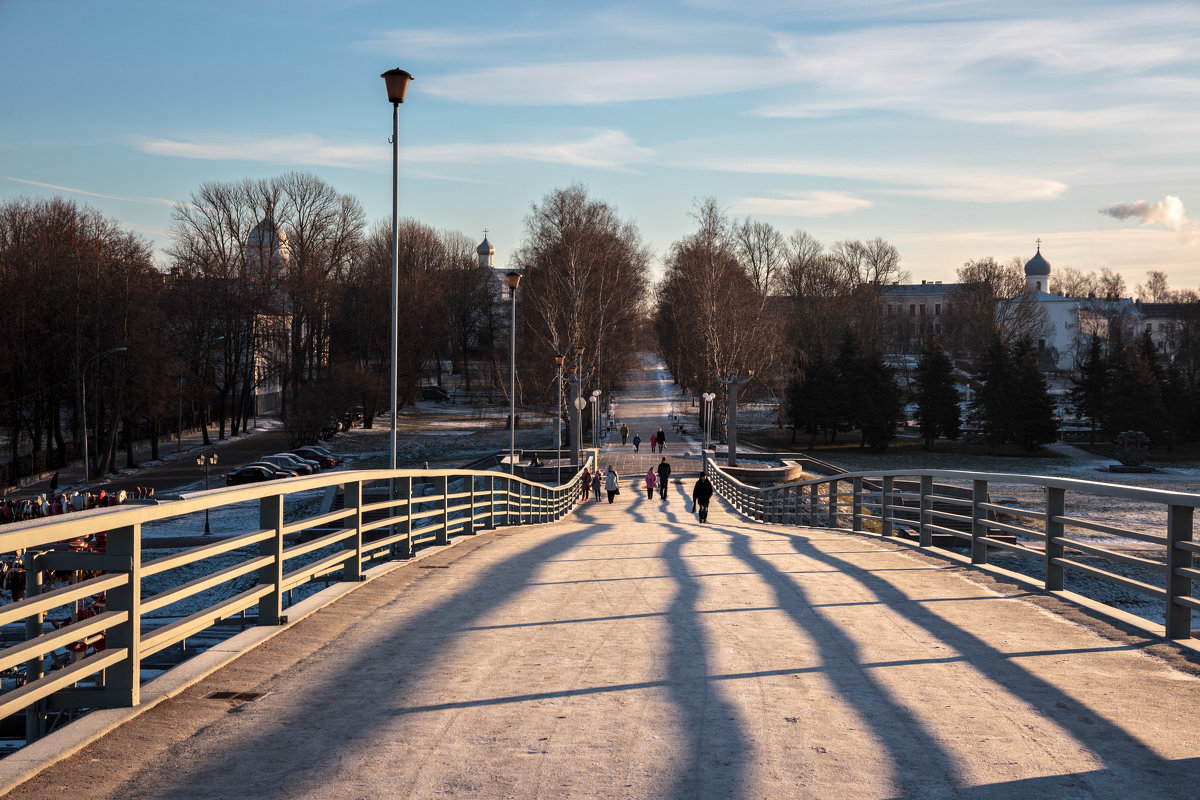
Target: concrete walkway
(630, 652)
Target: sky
(954, 129)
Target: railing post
(404, 488)
(1056, 506)
(469, 524)
(352, 569)
(833, 503)
(885, 506)
(442, 535)
(979, 494)
(926, 536)
(270, 517)
(123, 681)
(491, 503)
(1179, 530)
(856, 520)
(35, 720)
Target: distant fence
(1048, 540)
(85, 641)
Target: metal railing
(956, 505)
(386, 515)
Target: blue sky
(954, 129)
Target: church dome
(485, 248)
(1037, 265)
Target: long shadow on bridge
(924, 769)
(352, 696)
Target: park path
(630, 652)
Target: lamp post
(578, 403)
(558, 366)
(396, 81)
(514, 280)
(595, 400)
(206, 462)
(707, 409)
(87, 464)
(731, 421)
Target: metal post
(1179, 530)
(35, 727)
(442, 536)
(270, 517)
(123, 680)
(856, 508)
(512, 382)
(558, 429)
(404, 489)
(352, 569)
(833, 503)
(885, 506)
(979, 494)
(1056, 507)
(926, 535)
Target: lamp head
(558, 360)
(397, 81)
(579, 350)
(514, 280)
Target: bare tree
(992, 297)
(1155, 289)
(762, 251)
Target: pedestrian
(651, 482)
(587, 483)
(664, 474)
(662, 440)
(611, 483)
(54, 483)
(596, 485)
(702, 492)
(624, 433)
(653, 441)
(637, 439)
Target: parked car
(251, 473)
(287, 461)
(276, 470)
(324, 451)
(299, 461)
(324, 460)
(435, 393)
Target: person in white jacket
(610, 482)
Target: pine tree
(937, 396)
(880, 404)
(811, 396)
(1088, 392)
(1033, 418)
(1133, 399)
(992, 408)
(848, 397)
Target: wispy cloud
(1168, 212)
(441, 42)
(610, 150)
(801, 204)
(152, 201)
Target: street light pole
(87, 464)
(558, 419)
(707, 409)
(396, 81)
(731, 420)
(596, 418)
(514, 280)
(206, 462)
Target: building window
(937, 309)
(922, 309)
(1038, 286)
(912, 309)
(1149, 325)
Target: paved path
(630, 652)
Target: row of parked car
(301, 461)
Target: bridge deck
(632, 652)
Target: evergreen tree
(880, 406)
(992, 407)
(811, 407)
(1088, 392)
(937, 396)
(1133, 401)
(1033, 410)
(848, 397)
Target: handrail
(417, 506)
(964, 500)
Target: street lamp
(87, 464)
(396, 82)
(596, 418)
(558, 366)
(514, 280)
(206, 462)
(579, 404)
(707, 409)
(731, 421)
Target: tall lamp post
(579, 404)
(87, 464)
(558, 367)
(731, 421)
(596, 418)
(707, 409)
(514, 280)
(206, 462)
(396, 81)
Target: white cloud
(440, 43)
(150, 201)
(801, 204)
(612, 150)
(1168, 212)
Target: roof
(485, 248)
(919, 289)
(1038, 265)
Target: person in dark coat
(624, 433)
(662, 440)
(702, 492)
(664, 474)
